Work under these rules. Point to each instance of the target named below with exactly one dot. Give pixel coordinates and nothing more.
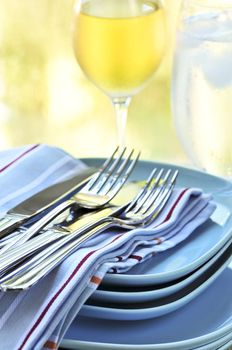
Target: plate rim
(157, 311)
(172, 288)
(127, 279)
(171, 346)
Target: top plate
(198, 248)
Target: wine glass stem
(121, 108)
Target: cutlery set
(97, 192)
(29, 255)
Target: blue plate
(221, 343)
(140, 311)
(140, 296)
(198, 248)
(207, 318)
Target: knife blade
(41, 201)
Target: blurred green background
(45, 98)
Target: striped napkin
(27, 170)
(39, 317)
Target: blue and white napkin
(39, 317)
(27, 170)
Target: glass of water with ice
(202, 84)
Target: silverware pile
(76, 214)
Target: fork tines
(155, 193)
(114, 172)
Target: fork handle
(47, 261)
(10, 222)
(39, 266)
(21, 252)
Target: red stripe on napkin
(159, 240)
(50, 345)
(136, 257)
(56, 295)
(174, 205)
(120, 258)
(96, 280)
(19, 157)
(168, 216)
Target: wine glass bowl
(119, 45)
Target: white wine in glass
(119, 45)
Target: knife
(50, 242)
(42, 201)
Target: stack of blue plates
(179, 299)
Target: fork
(99, 191)
(141, 212)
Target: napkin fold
(39, 317)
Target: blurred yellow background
(45, 98)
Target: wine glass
(202, 84)
(119, 45)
